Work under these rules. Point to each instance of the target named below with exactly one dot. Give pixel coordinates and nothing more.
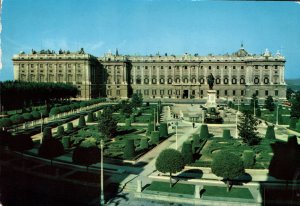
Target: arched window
(256, 80)
(146, 80)
(202, 80)
(218, 80)
(233, 80)
(225, 80)
(169, 80)
(266, 80)
(161, 80)
(242, 80)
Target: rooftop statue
(210, 81)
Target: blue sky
(147, 27)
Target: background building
(237, 76)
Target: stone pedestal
(211, 99)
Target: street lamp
(41, 140)
(277, 102)
(176, 125)
(236, 124)
(102, 202)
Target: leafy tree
(169, 161)
(269, 103)
(54, 111)
(66, 141)
(129, 149)
(248, 128)
(5, 123)
(295, 109)
(20, 143)
(285, 160)
(258, 112)
(127, 122)
(27, 116)
(187, 152)
(137, 100)
(289, 93)
(51, 148)
(270, 133)
(228, 166)
(17, 119)
(107, 124)
(126, 108)
(254, 101)
(87, 153)
(293, 122)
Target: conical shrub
(204, 132)
(270, 133)
(226, 134)
(163, 130)
(187, 152)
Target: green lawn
(214, 191)
(177, 188)
(263, 151)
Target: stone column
(180, 74)
(142, 75)
(197, 74)
(150, 75)
(260, 76)
(282, 75)
(189, 73)
(157, 75)
(166, 75)
(270, 76)
(134, 75)
(229, 75)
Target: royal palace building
(237, 76)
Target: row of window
(50, 65)
(50, 71)
(51, 78)
(186, 80)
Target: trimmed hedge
(155, 137)
(204, 132)
(196, 140)
(66, 141)
(293, 122)
(81, 122)
(144, 143)
(298, 127)
(90, 117)
(70, 127)
(47, 133)
(129, 149)
(226, 134)
(270, 133)
(60, 131)
(127, 122)
(187, 152)
(248, 158)
(163, 130)
(150, 128)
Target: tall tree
(107, 124)
(248, 128)
(295, 109)
(227, 165)
(254, 102)
(269, 103)
(169, 161)
(137, 100)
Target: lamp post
(236, 124)
(254, 102)
(176, 125)
(277, 102)
(41, 140)
(102, 202)
(154, 121)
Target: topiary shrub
(47, 133)
(86, 155)
(70, 127)
(127, 122)
(81, 122)
(196, 140)
(226, 134)
(129, 149)
(248, 158)
(163, 130)
(155, 137)
(60, 130)
(204, 132)
(90, 117)
(20, 143)
(66, 141)
(150, 128)
(99, 114)
(187, 152)
(293, 122)
(17, 119)
(27, 116)
(144, 143)
(51, 148)
(270, 133)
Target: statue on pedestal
(210, 81)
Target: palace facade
(237, 76)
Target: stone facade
(237, 76)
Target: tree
(254, 101)
(90, 117)
(289, 93)
(269, 103)
(204, 132)
(107, 124)
(129, 149)
(126, 108)
(51, 148)
(144, 143)
(17, 119)
(5, 123)
(270, 133)
(70, 127)
(248, 158)
(227, 165)
(248, 128)
(169, 161)
(137, 100)
(60, 131)
(20, 143)
(87, 153)
(47, 133)
(226, 133)
(295, 109)
(187, 152)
